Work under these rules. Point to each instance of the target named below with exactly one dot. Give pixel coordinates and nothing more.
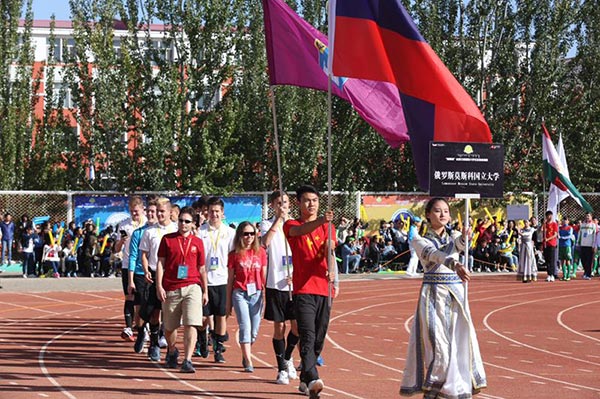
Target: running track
(538, 340)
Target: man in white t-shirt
(278, 305)
(137, 219)
(149, 249)
(218, 242)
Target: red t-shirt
(248, 267)
(181, 251)
(551, 229)
(308, 257)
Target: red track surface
(538, 340)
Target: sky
(43, 9)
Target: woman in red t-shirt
(247, 266)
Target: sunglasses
(185, 221)
(249, 233)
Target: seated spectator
(508, 260)
(350, 256)
(389, 251)
(481, 256)
(69, 259)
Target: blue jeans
(351, 263)
(247, 311)
(6, 244)
(28, 263)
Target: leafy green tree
(17, 101)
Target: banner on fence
(112, 210)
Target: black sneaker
(171, 359)
(219, 357)
(314, 388)
(187, 367)
(202, 344)
(154, 353)
(138, 347)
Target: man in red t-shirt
(179, 272)
(550, 229)
(308, 238)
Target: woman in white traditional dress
(527, 271)
(443, 359)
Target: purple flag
(297, 55)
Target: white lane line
(508, 377)
(554, 365)
(44, 350)
(553, 338)
(573, 389)
(518, 344)
(530, 335)
(328, 387)
(378, 355)
(138, 380)
(120, 374)
(585, 370)
(493, 342)
(526, 361)
(501, 357)
(43, 395)
(565, 353)
(368, 374)
(341, 369)
(551, 380)
(538, 382)
(559, 319)
(350, 334)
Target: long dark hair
(238, 243)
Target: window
(61, 92)
(207, 102)
(163, 51)
(117, 47)
(61, 49)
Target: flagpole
(329, 249)
(280, 178)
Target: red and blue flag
(378, 40)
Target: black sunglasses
(249, 233)
(185, 221)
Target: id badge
(214, 263)
(251, 288)
(287, 262)
(182, 272)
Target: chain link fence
(36, 203)
(58, 205)
(570, 208)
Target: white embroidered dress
(443, 359)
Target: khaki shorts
(183, 305)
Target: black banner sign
(466, 168)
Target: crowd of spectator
(55, 250)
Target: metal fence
(59, 204)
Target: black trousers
(587, 259)
(551, 258)
(312, 316)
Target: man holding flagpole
(307, 237)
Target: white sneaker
(147, 333)
(282, 378)
(24, 276)
(549, 278)
(291, 370)
(162, 342)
